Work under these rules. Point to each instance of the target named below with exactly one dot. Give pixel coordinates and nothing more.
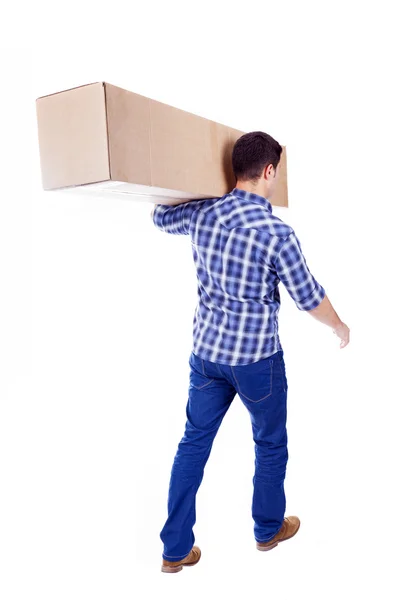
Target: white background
(96, 309)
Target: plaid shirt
(241, 252)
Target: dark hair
(252, 152)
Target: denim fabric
(262, 387)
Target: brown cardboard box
(103, 140)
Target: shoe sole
(266, 548)
(168, 569)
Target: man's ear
(266, 171)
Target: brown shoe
(191, 559)
(290, 527)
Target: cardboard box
(103, 140)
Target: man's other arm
(174, 219)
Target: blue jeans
(262, 387)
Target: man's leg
(263, 390)
(210, 396)
(271, 455)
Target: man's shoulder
(259, 218)
(274, 226)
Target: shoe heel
(266, 548)
(167, 569)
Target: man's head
(255, 162)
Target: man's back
(241, 252)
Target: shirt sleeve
(174, 219)
(292, 270)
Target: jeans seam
(202, 366)
(202, 386)
(283, 374)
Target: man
(241, 253)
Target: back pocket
(254, 381)
(198, 377)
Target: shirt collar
(255, 198)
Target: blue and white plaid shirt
(241, 253)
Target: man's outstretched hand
(343, 332)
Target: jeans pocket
(254, 381)
(198, 377)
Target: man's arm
(174, 219)
(326, 314)
(308, 294)
(292, 270)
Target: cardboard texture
(102, 140)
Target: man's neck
(248, 187)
